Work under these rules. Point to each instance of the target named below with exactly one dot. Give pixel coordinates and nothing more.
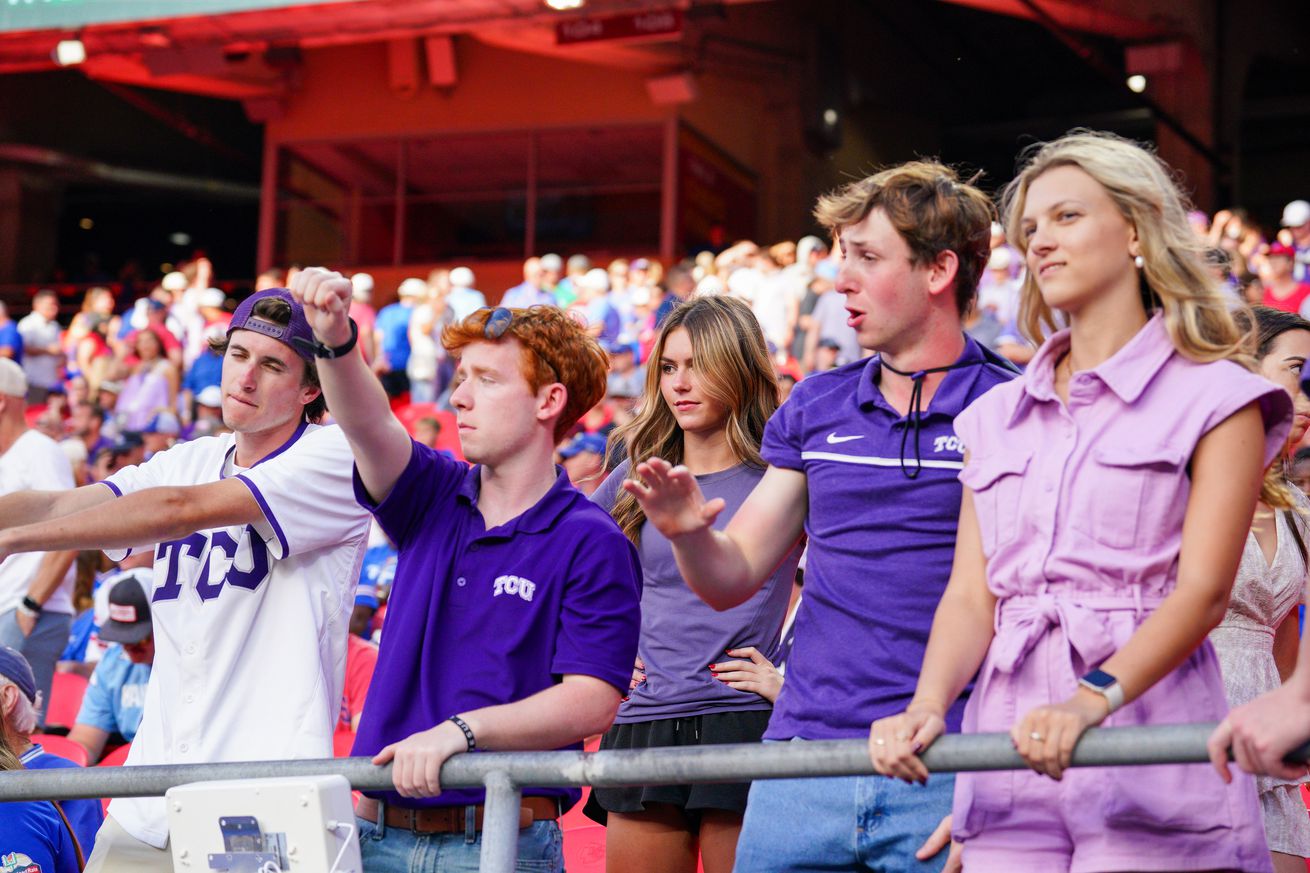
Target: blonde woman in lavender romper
(1108, 493)
(1257, 640)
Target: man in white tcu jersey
(260, 542)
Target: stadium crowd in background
(123, 380)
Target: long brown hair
(732, 361)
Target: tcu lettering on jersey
(947, 444)
(210, 560)
(511, 585)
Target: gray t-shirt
(830, 317)
(680, 634)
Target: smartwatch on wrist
(320, 350)
(1105, 685)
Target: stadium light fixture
(565, 5)
(1137, 83)
(69, 53)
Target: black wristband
(319, 350)
(468, 731)
(31, 605)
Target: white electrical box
(305, 825)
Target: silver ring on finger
(879, 741)
(1036, 737)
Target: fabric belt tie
(1021, 621)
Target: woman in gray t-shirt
(703, 676)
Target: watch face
(1099, 679)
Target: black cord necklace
(916, 409)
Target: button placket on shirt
(1054, 471)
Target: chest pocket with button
(1127, 493)
(997, 482)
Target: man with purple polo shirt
(863, 459)
(514, 616)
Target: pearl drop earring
(1139, 261)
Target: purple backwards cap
(296, 333)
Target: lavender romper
(1081, 508)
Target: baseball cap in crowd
(366, 594)
(126, 442)
(829, 343)
(164, 422)
(210, 396)
(639, 264)
(212, 298)
(552, 263)
(361, 286)
(129, 613)
(413, 288)
(113, 386)
(1281, 250)
(13, 381)
(1296, 213)
(584, 442)
(579, 263)
(151, 303)
(14, 667)
(175, 281)
(296, 333)
(462, 277)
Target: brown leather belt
(453, 819)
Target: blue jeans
(541, 850)
(844, 823)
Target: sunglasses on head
(498, 324)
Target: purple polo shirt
(880, 543)
(483, 617)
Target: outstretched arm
(153, 515)
(379, 442)
(24, 507)
(726, 567)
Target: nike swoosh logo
(833, 439)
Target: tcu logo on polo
(511, 585)
(947, 444)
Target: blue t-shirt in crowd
(117, 694)
(483, 617)
(393, 323)
(205, 370)
(33, 838)
(880, 543)
(11, 339)
(85, 815)
(379, 569)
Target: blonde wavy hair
(732, 361)
(1174, 277)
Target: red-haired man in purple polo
(514, 613)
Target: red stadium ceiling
(251, 54)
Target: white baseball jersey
(250, 622)
(34, 462)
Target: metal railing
(504, 773)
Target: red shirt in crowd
(1291, 303)
(361, 658)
